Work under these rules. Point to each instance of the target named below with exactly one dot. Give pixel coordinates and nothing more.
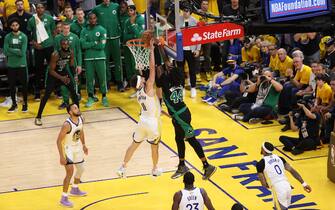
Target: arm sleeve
(260, 166)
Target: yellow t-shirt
(274, 62)
(252, 55)
(324, 94)
(303, 75)
(10, 7)
(283, 66)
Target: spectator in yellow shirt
(302, 75)
(323, 92)
(250, 53)
(10, 7)
(284, 63)
(273, 57)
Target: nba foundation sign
(211, 33)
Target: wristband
(304, 184)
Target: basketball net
(140, 52)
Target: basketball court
(31, 175)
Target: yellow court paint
(231, 147)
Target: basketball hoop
(140, 52)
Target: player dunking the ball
(170, 79)
(71, 148)
(149, 125)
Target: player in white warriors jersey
(273, 168)
(191, 197)
(71, 148)
(149, 125)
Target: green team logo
(114, 12)
(176, 96)
(97, 33)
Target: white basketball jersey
(274, 169)
(191, 199)
(72, 139)
(150, 106)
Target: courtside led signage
(211, 33)
(283, 10)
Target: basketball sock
(181, 162)
(75, 185)
(64, 194)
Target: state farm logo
(196, 38)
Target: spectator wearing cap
(228, 79)
(133, 29)
(191, 53)
(309, 45)
(268, 90)
(21, 15)
(329, 60)
(250, 52)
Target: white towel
(41, 33)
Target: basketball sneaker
(13, 108)
(90, 102)
(7, 103)
(38, 121)
(121, 172)
(75, 191)
(24, 108)
(180, 171)
(65, 202)
(255, 120)
(193, 92)
(206, 98)
(157, 172)
(209, 171)
(105, 102)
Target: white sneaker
(157, 172)
(193, 92)
(7, 103)
(121, 172)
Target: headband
(265, 149)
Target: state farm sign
(211, 33)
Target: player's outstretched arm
(151, 80)
(297, 176)
(176, 200)
(64, 130)
(207, 200)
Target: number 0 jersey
(191, 200)
(273, 167)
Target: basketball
(146, 37)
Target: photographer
(268, 91)
(307, 123)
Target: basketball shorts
(283, 192)
(148, 129)
(74, 154)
